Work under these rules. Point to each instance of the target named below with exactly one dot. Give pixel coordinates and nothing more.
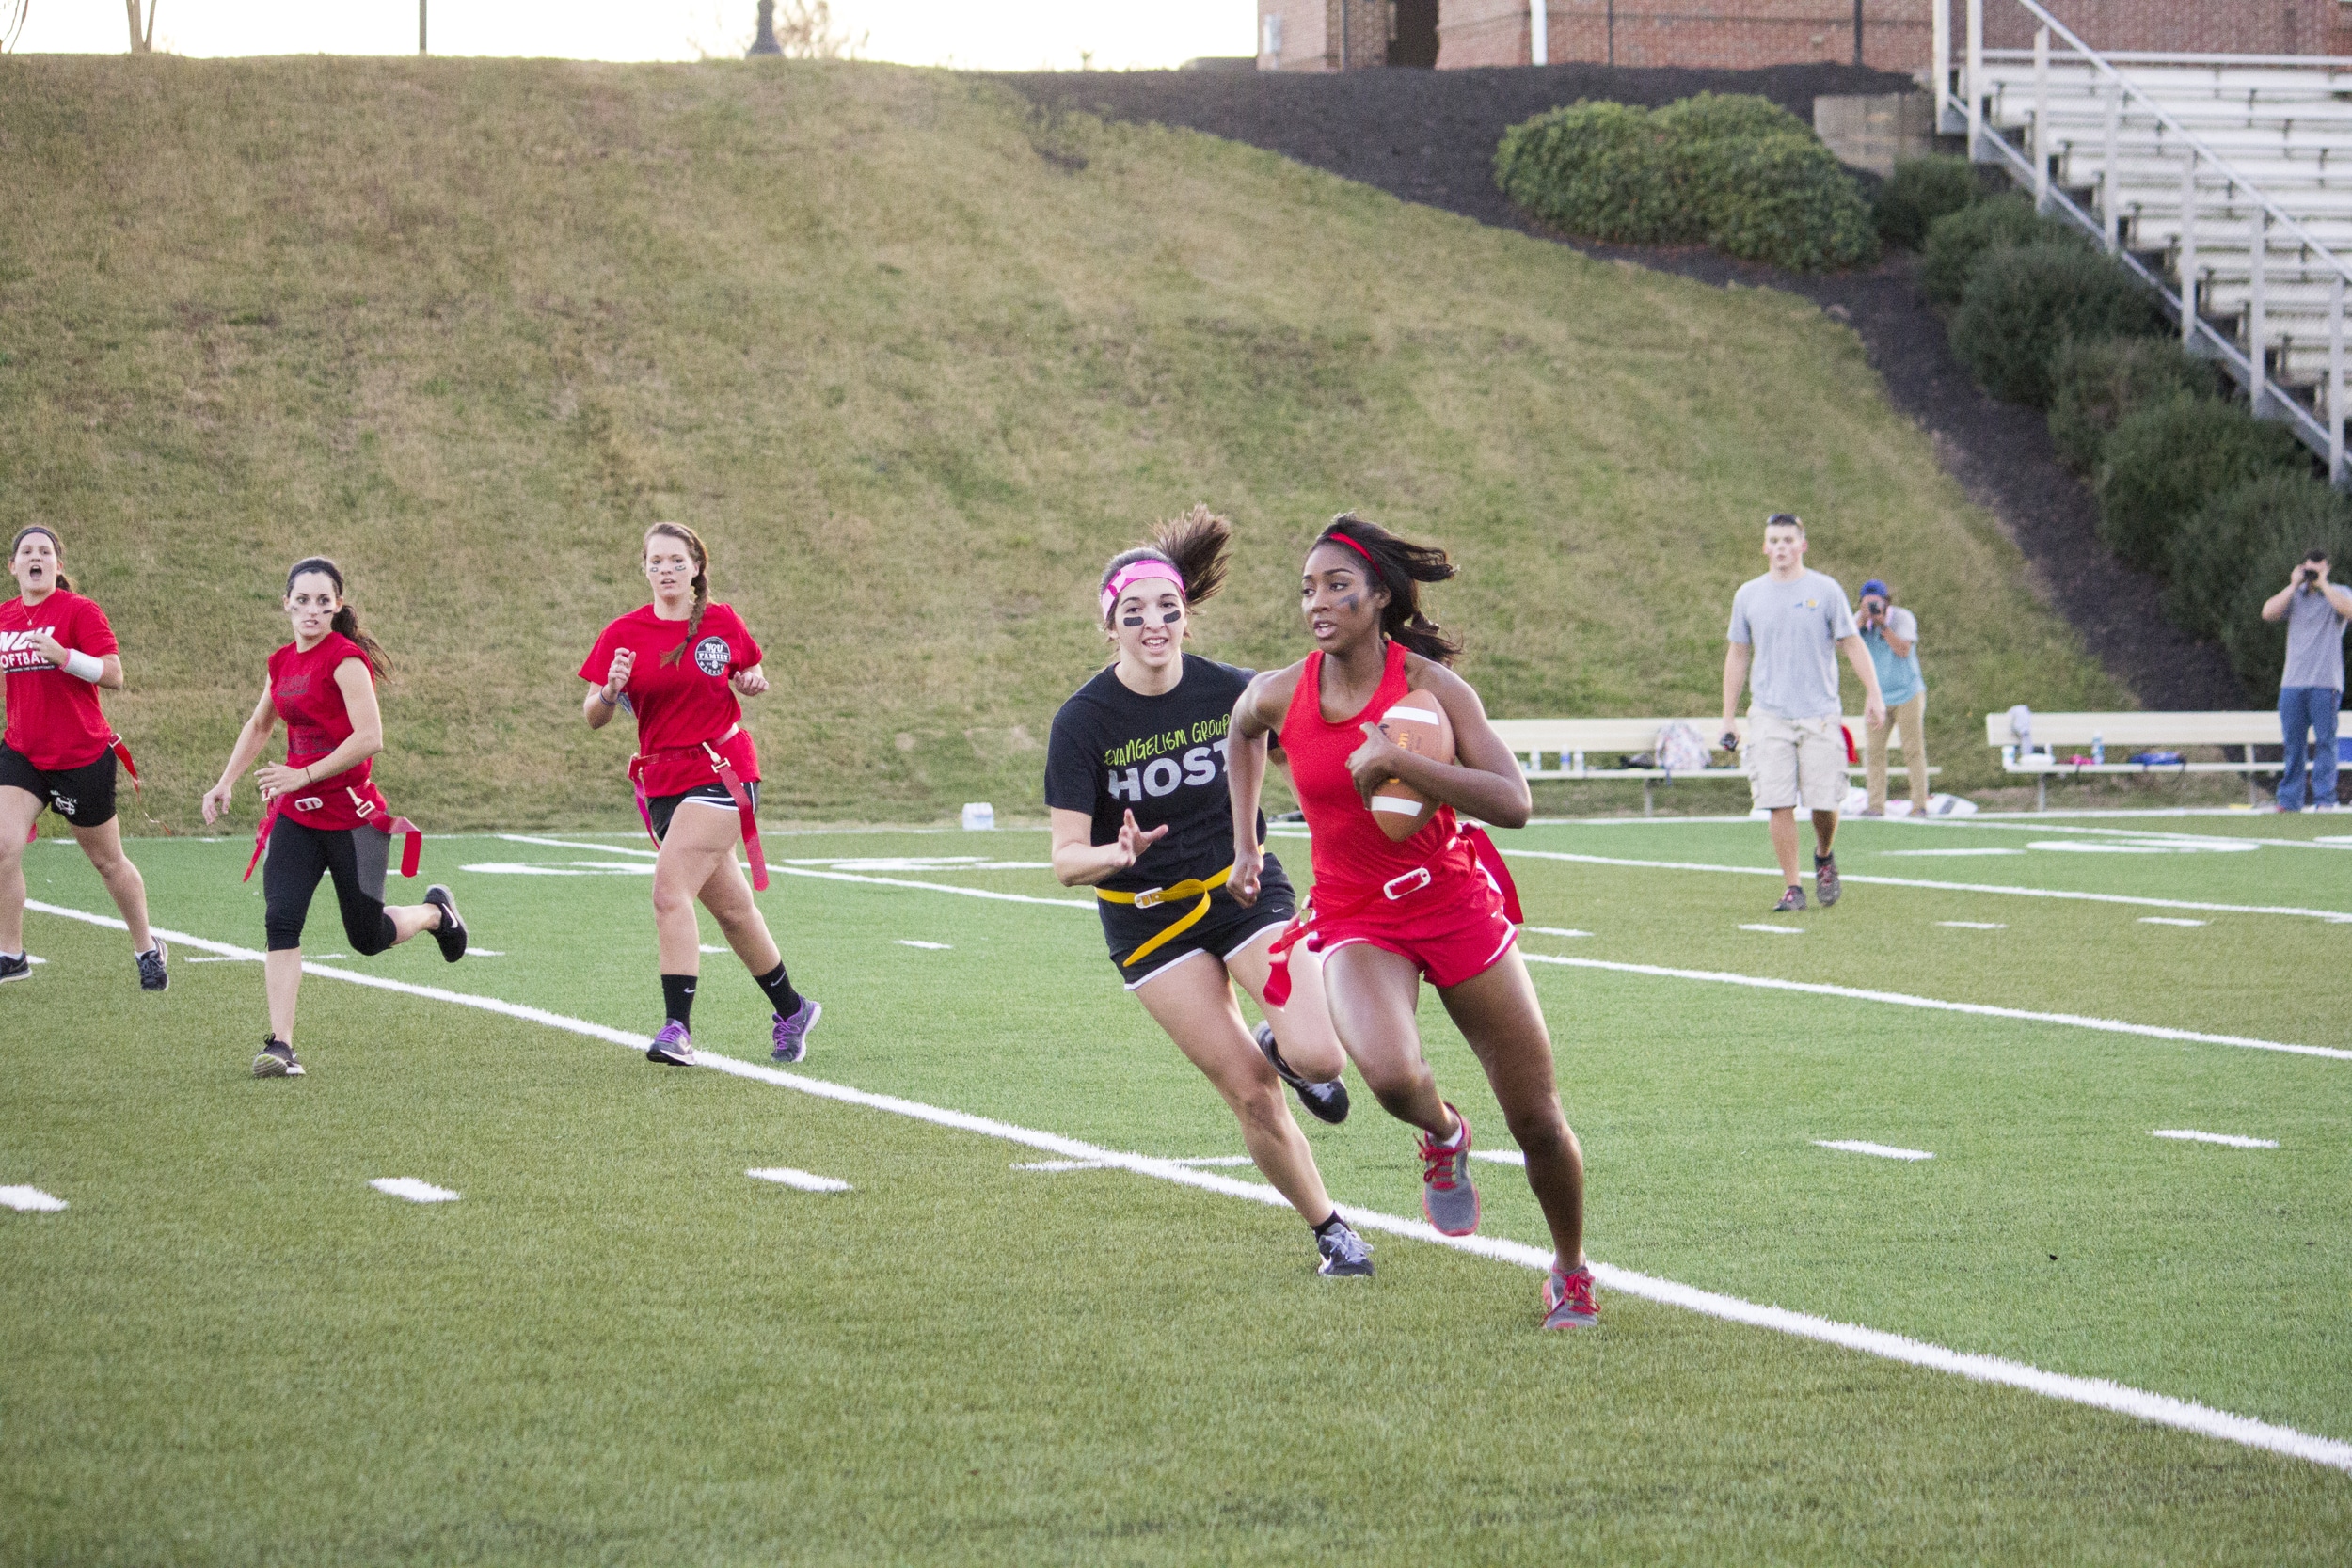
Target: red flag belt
(1278, 984)
(744, 811)
(411, 847)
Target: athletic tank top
(302, 688)
(1353, 858)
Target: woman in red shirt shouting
(678, 665)
(60, 754)
(1386, 913)
(322, 813)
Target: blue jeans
(2312, 708)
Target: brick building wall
(1896, 33)
(1324, 35)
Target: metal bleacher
(2224, 181)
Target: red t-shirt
(54, 718)
(684, 706)
(302, 688)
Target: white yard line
(1899, 999)
(926, 946)
(807, 1181)
(30, 1200)
(1884, 1151)
(2233, 1140)
(1776, 931)
(1974, 925)
(840, 876)
(2170, 920)
(2098, 1393)
(1557, 931)
(2337, 916)
(413, 1190)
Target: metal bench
(1572, 741)
(2134, 732)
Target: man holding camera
(1892, 635)
(1791, 625)
(2311, 688)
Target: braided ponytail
(1401, 567)
(693, 543)
(346, 619)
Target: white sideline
(2231, 1139)
(837, 876)
(30, 1200)
(1862, 1146)
(807, 1181)
(2337, 916)
(412, 1189)
(2098, 1393)
(1896, 998)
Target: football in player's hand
(1416, 725)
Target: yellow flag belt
(1151, 897)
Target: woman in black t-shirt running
(1136, 777)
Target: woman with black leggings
(322, 814)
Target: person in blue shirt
(1892, 635)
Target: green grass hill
(914, 360)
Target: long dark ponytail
(1196, 543)
(55, 544)
(693, 543)
(1400, 566)
(346, 619)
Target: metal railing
(1961, 100)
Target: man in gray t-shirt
(2311, 689)
(1788, 627)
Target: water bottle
(979, 816)
(2098, 751)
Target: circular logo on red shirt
(711, 656)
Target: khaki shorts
(1795, 762)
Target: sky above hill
(1064, 35)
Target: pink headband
(1135, 571)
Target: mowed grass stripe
(2098, 1393)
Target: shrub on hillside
(2163, 463)
(2093, 384)
(1958, 241)
(2024, 304)
(1736, 172)
(2213, 553)
(2258, 648)
(1920, 191)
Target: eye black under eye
(1169, 617)
(1132, 619)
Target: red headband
(1343, 539)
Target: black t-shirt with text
(1115, 751)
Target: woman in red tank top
(321, 814)
(1439, 904)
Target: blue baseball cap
(1878, 587)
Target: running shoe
(451, 933)
(1568, 1298)
(672, 1047)
(1790, 902)
(1345, 1253)
(276, 1060)
(18, 968)
(1324, 1101)
(152, 975)
(792, 1033)
(1447, 1197)
(1825, 884)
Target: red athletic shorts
(1453, 929)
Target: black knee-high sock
(780, 996)
(677, 998)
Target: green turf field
(615, 1347)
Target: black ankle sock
(1820, 861)
(1326, 1225)
(780, 996)
(677, 998)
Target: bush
(2258, 648)
(1921, 190)
(2213, 554)
(1736, 172)
(2024, 304)
(2095, 382)
(1958, 241)
(2166, 461)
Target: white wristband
(84, 667)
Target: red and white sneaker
(1447, 1197)
(1568, 1298)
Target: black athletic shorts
(663, 807)
(83, 796)
(1225, 930)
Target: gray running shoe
(1324, 1101)
(1790, 902)
(1825, 883)
(672, 1047)
(17, 968)
(1447, 1197)
(152, 975)
(792, 1033)
(276, 1060)
(1345, 1253)
(1568, 1298)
